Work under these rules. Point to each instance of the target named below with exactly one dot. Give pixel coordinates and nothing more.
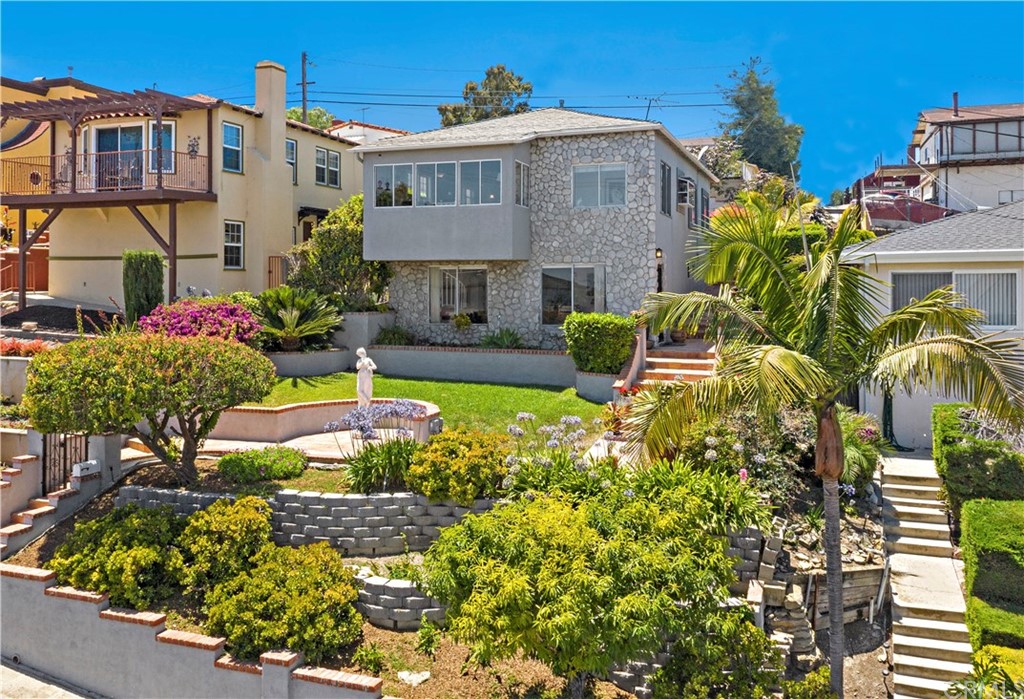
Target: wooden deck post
(22, 261)
(172, 254)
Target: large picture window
(599, 185)
(480, 181)
(458, 290)
(232, 147)
(571, 288)
(435, 184)
(394, 185)
(234, 245)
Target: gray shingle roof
(1000, 228)
(512, 128)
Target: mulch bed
(55, 318)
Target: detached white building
(981, 254)
(974, 156)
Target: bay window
(458, 291)
(480, 182)
(569, 288)
(394, 185)
(435, 184)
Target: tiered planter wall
(519, 367)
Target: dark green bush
(599, 342)
(221, 541)
(142, 275)
(269, 463)
(995, 623)
(506, 338)
(395, 335)
(460, 465)
(970, 467)
(296, 598)
(814, 686)
(131, 554)
(382, 466)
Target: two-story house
(517, 221)
(220, 189)
(973, 156)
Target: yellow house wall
(912, 413)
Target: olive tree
(166, 391)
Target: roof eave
(866, 256)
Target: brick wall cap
(76, 594)
(432, 410)
(226, 662)
(337, 678)
(130, 616)
(280, 657)
(191, 640)
(8, 570)
(24, 459)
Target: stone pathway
(929, 637)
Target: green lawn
(488, 407)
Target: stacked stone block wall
(395, 604)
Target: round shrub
(269, 463)
(460, 465)
(599, 342)
(382, 466)
(131, 554)
(395, 335)
(208, 317)
(221, 541)
(301, 599)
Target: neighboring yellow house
(223, 192)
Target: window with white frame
(666, 189)
(232, 147)
(522, 176)
(569, 288)
(598, 185)
(435, 184)
(705, 208)
(167, 144)
(1007, 196)
(992, 293)
(320, 166)
(234, 245)
(291, 156)
(333, 169)
(394, 185)
(686, 196)
(480, 182)
(458, 291)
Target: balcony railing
(105, 172)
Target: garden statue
(364, 377)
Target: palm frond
(988, 371)
(767, 377)
(941, 312)
(667, 310)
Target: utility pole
(305, 84)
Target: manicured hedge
(999, 623)
(993, 548)
(1010, 659)
(599, 342)
(972, 468)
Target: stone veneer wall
(621, 238)
(364, 525)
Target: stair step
(918, 530)
(916, 492)
(918, 611)
(61, 494)
(933, 629)
(38, 502)
(930, 668)
(904, 479)
(13, 529)
(914, 687)
(913, 513)
(9, 473)
(898, 543)
(672, 375)
(28, 516)
(680, 364)
(915, 502)
(679, 354)
(935, 648)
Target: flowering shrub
(270, 463)
(862, 447)
(365, 419)
(14, 347)
(212, 318)
(460, 465)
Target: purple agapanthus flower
(526, 417)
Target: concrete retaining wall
(284, 422)
(13, 442)
(13, 376)
(297, 364)
(364, 525)
(519, 367)
(75, 636)
(395, 604)
(597, 388)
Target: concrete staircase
(929, 637)
(28, 524)
(691, 362)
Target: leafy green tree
(756, 124)
(837, 198)
(317, 117)
(804, 330)
(581, 588)
(175, 387)
(501, 92)
(331, 261)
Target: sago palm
(803, 330)
(291, 315)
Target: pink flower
(743, 475)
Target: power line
(576, 106)
(424, 95)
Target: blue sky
(854, 74)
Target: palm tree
(804, 329)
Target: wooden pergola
(75, 112)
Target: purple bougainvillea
(192, 317)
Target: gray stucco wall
(62, 632)
(539, 368)
(673, 233)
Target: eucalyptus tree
(803, 330)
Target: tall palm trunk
(828, 457)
